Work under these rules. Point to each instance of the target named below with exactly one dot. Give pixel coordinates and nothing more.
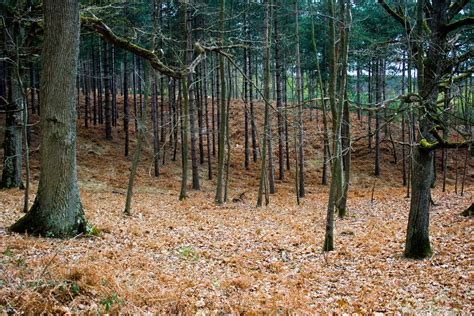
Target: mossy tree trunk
(57, 210)
(434, 29)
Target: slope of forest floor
(194, 256)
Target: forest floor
(193, 256)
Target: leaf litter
(196, 257)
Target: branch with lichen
(98, 26)
(440, 142)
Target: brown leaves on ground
(183, 257)
(193, 256)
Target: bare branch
(455, 8)
(469, 20)
(396, 15)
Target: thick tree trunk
(430, 68)
(418, 242)
(57, 210)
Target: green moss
(91, 230)
(426, 145)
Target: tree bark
(300, 97)
(126, 106)
(57, 210)
(108, 114)
(12, 143)
(191, 99)
(279, 105)
(266, 96)
(223, 113)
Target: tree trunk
(138, 149)
(252, 111)
(100, 109)
(279, 105)
(246, 99)
(378, 100)
(126, 106)
(404, 164)
(57, 210)
(94, 88)
(113, 82)
(369, 97)
(191, 100)
(199, 78)
(358, 89)
(154, 121)
(184, 139)
(108, 114)
(223, 113)
(299, 99)
(87, 94)
(12, 143)
(208, 135)
(418, 243)
(134, 87)
(266, 96)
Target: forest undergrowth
(193, 256)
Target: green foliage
(8, 252)
(75, 288)
(92, 230)
(20, 262)
(111, 300)
(188, 252)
